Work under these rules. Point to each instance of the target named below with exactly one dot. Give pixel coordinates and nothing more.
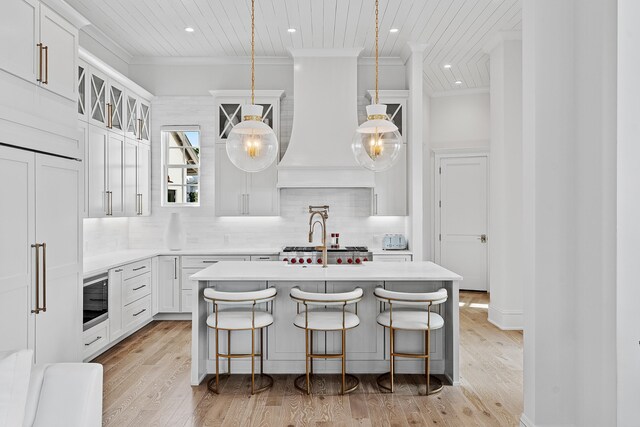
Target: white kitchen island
(367, 344)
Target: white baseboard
(172, 316)
(526, 422)
(507, 320)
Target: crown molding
(266, 93)
(410, 49)
(325, 52)
(112, 73)
(209, 60)
(67, 12)
(458, 92)
(501, 37)
(108, 43)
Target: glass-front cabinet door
(97, 100)
(131, 106)
(144, 121)
(115, 109)
(229, 115)
(82, 92)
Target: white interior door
(461, 243)
(16, 255)
(58, 196)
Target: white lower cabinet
(95, 339)
(115, 303)
(168, 279)
(136, 313)
(392, 257)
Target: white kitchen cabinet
(143, 181)
(19, 36)
(83, 91)
(131, 177)
(391, 257)
(240, 193)
(228, 109)
(169, 293)
(116, 329)
(39, 46)
(106, 173)
(83, 135)
(94, 339)
(60, 45)
(193, 264)
(144, 120)
(131, 115)
(45, 192)
(390, 191)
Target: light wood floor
(146, 383)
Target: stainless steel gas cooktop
(348, 255)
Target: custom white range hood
(325, 118)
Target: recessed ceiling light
(291, 30)
(458, 82)
(446, 66)
(393, 30)
(189, 30)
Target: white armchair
(60, 394)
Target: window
(181, 166)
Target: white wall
(459, 121)
(628, 206)
(505, 183)
(569, 171)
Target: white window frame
(166, 166)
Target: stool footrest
(411, 355)
(211, 384)
(435, 385)
(301, 382)
(238, 355)
(325, 356)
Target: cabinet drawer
(136, 269)
(136, 313)
(205, 261)
(95, 338)
(136, 288)
(274, 257)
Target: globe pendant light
(377, 142)
(252, 145)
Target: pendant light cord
(377, 99)
(253, 52)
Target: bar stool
(241, 316)
(328, 314)
(414, 314)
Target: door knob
(483, 238)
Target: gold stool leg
(343, 360)
(427, 361)
(217, 362)
(253, 360)
(306, 359)
(229, 351)
(311, 347)
(261, 351)
(392, 334)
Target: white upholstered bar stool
(328, 312)
(410, 311)
(240, 314)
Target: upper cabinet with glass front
(180, 165)
(110, 101)
(229, 103)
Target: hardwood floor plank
(147, 383)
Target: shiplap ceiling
(455, 30)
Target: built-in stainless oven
(95, 301)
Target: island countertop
(368, 271)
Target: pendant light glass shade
(377, 142)
(252, 145)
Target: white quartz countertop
(102, 263)
(369, 271)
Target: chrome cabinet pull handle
(140, 312)
(119, 270)
(139, 287)
(140, 268)
(175, 268)
(95, 340)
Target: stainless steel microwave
(95, 301)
